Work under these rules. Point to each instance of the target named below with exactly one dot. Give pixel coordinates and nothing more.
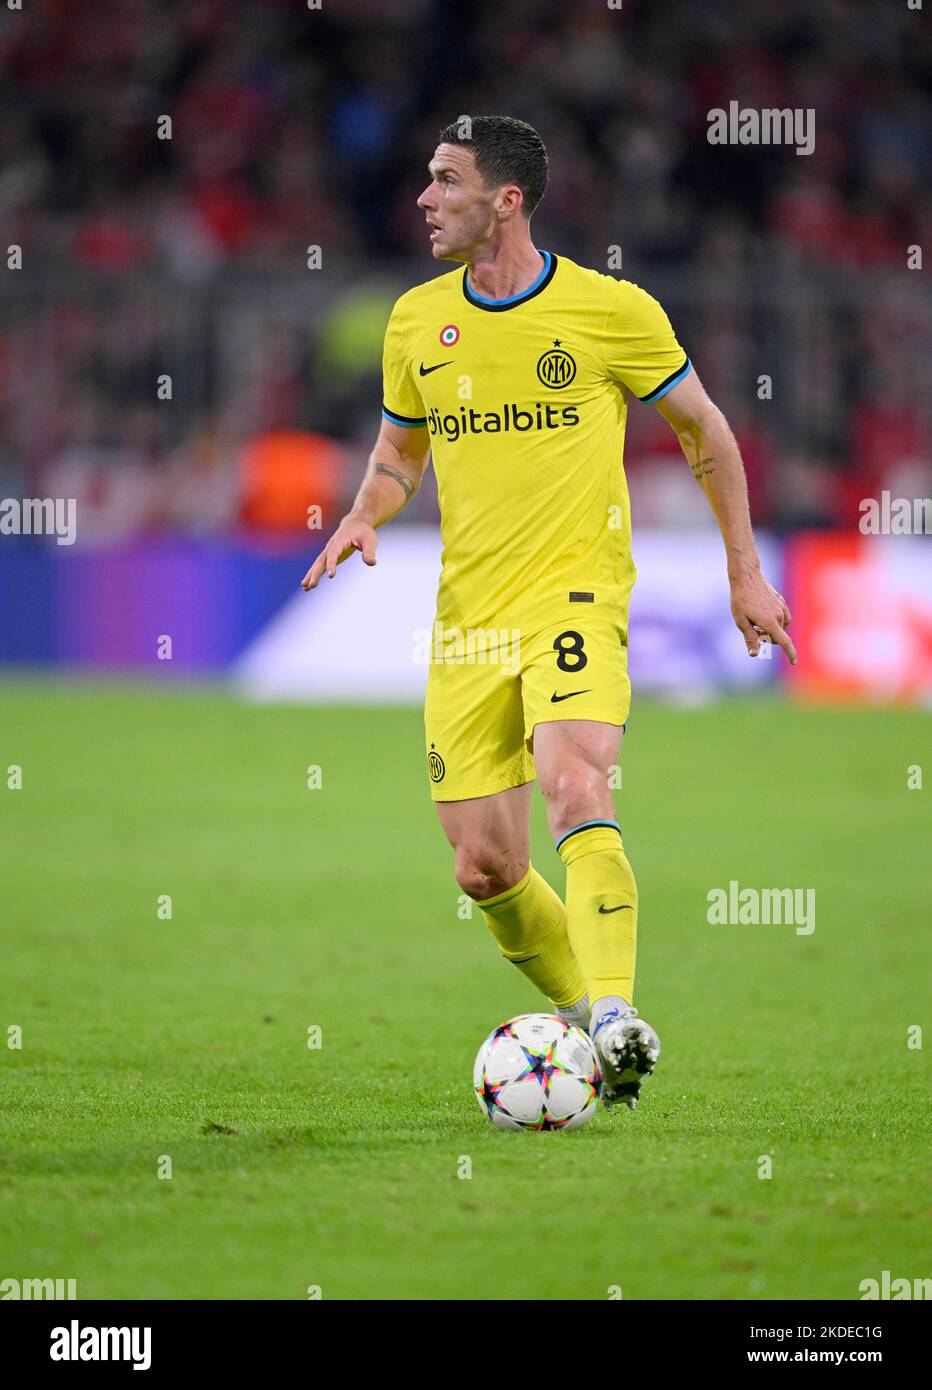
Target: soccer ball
(537, 1072)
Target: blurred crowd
(153, 248)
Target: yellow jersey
(525, 400)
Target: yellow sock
(601, 908)
(529, 923)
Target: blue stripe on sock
(588, 825)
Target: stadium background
(189, 256)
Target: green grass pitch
(339, 1167)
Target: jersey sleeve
(641, 351)
(401, 400)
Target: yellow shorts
(487, 690)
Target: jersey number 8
(569, 649)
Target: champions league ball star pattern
(537, 1072)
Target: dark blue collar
(497, 305)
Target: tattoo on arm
(701, 469)
(399, 477)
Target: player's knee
(482, 873)
(578, 793)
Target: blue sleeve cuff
(408, 422)
(667, 385)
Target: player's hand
(761, 614)
(350, 535)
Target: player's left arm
(713, 455)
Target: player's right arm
(393, 475)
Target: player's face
(460, 209)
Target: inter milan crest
(556, 367)
(436, 769)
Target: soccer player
(515, 373)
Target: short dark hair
(506, 151)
